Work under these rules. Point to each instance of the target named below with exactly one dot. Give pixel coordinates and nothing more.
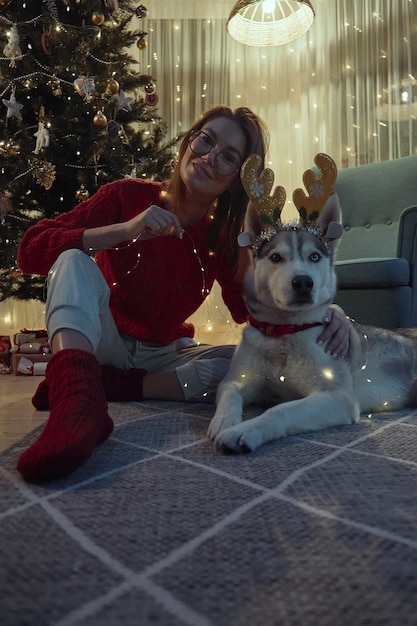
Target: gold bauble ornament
(141, 12)
(53, 82)
(99, 120)
(112, 86)
(4, 3)
(82, 194)
(142, 43)
(55, 85)
(97, 17)
(150, 87)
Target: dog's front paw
(220, 422)
(238, 439)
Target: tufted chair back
(376, 259)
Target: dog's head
(292, 271)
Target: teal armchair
(376, 262)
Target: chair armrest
(407, 235)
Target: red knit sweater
(155, 284)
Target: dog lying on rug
(288, 289)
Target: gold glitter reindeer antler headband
(269, 207)
(319, 187)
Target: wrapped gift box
(25, 364)
(30, 347)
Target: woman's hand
(153, 222)
(336, 332)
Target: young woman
(117, 323)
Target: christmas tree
(77, 113)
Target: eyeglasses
(225, 163)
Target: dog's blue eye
(315, 257)
(275, 258)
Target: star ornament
(13, 107)
(122, 102)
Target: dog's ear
(252, 227)
(329, 222)
(250, 296)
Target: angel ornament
(12, 49)
(42, 138)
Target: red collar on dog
(277, 330)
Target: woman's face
(200, 174)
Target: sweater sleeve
(45, 241)
(232, 293)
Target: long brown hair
(230, 210)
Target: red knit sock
(78, 421)
(40, 398)
(119, 385)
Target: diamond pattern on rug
(159, 528)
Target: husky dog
(288, 289)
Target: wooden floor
(17, 415)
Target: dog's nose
(302, 283)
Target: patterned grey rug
(159, 528)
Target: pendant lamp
(269, 22)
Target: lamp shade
(269, 22)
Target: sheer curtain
(18, 314)
(346, 88)
(189, 60)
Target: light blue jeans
(78, 299)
